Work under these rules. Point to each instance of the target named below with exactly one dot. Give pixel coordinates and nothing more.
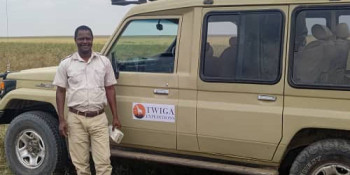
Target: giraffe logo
(139, 111)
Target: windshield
(146, 45)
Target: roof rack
(128, 2)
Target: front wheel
(33, 144)
(325, 157)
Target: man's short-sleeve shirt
(85, 82)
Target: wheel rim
(30, 149)
(332, 169)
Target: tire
(324, 157)
(33, 144)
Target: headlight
(7, 86)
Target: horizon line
(52, 36)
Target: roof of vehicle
(174, 4)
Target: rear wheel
(325, 157)
(33, 144)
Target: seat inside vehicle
(314, 62)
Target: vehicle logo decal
(153, 112)
(139, 111)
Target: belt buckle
(81, 113)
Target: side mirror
(127, 2)
(3, 75)
(115, 66)
(159, 26)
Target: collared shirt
(85, 82)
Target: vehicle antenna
(7, 39)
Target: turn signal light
(6, 86)
(2, 86)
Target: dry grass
(34, 52)
(26, 53)
(30, 52)
(145, 46)
(3, 165)
(63, 39)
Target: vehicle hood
(44, 74)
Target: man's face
(84, 41)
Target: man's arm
(110, 93)
(60, 100)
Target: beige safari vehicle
(249, 87)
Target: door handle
(267, 98)
(161, 91)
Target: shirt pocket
(99, 77)
(75, 78)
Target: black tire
(324, 157)
(35, 136)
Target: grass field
(34, 52)
(30, 52)
(3, 166)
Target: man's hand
(63, 128)
(110, 93)
(116, 123)
(60, 99)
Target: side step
(120, 152)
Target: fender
(48, 96)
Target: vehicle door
(317, 89)
(241, 80)
(147, 88)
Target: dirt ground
(132, 167)
(150, 168)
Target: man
(88, 78)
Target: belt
(87, 113)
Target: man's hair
(82, 27)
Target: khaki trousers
(85, 133)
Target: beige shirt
(85, 82)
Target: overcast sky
(58, 17)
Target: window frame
(126, 23)
(230, 80)
(295, 13)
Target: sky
(58, 17)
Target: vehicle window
(146, 45)
(304, 34)
(344, 19)
(244, 47)
(321, 48)
(312, 21)
(219, 35)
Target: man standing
(88, 79)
